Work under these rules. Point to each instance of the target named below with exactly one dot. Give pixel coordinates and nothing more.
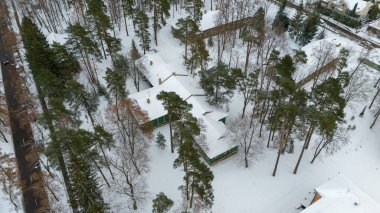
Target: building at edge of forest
(173, 78)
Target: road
(34, 196)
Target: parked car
(4, 60)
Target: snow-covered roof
(341, 195)
(190, 91)
(375, 24)
(208, 20)
(362, 8)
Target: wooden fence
(231, 26)
(330, 66)
(371, 64)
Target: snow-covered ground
(238, 189)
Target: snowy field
(242, 190)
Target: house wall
(374, 30)
(223, 156)
(163, 120)
(316, 197)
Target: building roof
(188, 90)
(341, 195)
(362, 8)
(375, 24)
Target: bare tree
(358, 87)
(331, 144)
(4, 119)
(246, 136)
(128, 180)
(322, 55)
(126, 119)
(10, 183)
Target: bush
(162, 203)
(160, 140)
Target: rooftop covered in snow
(341, 195)
(171, 78)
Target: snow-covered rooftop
(187, 89)
(362, 8)
(341, 195)
(375, 24)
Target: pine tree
(285, 112)
(323, 115)
(116, 84)
(142, 30)
(253, 35)
(101, 23)
(121, 64)
(135, 71)
(85, 186)
(160, 140)
(80, 39)
(373, 12)
(219, 83)
(82, 45)
(129, 10)
(194, 9)
(80, 99)
(39, 56)
(247, 85)
(330, 104)
(160, 12)
(186, 128)
(162, 204)
(197, 188)
(296, 23)
(199, 55)
(281, 21)
(65, 65)
(41, 63)
(353, 11)
(186, 32)
(175, 106)
(310, 29)
(342, 59)
(299, 57)
(134, 52)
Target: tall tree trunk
(277, 160)
(377, 93)
(376, 116)
(101, 172)
(61, 161)
(280, 148)
(308, 135)
(192, 195)
(171, 132)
